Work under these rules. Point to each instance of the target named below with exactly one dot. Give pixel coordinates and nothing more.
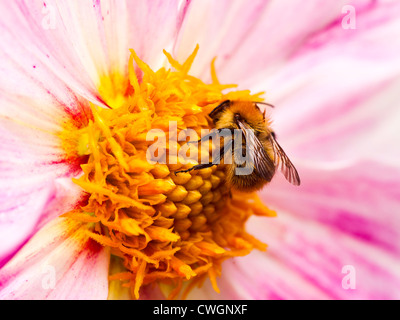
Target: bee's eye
(238, 116)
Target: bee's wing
(282, 162)
(262, 162)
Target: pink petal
(306, 260)
(320, 254)
(338, 217)
(153, 26)
(20, 213)
(258, 276)
(359, 199)
(336, 99)
(251, 40)
(35, 186)
(224, 26)
(34, 61)
(57, 263)
(69, 46)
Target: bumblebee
(257, 155)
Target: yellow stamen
(163, 228)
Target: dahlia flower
(85, 215)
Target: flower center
(164, 228)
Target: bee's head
(228, 113)
(246, 111)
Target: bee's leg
(197, 167)
(204, 165)
(215, 162)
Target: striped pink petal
(308, 260)
(323, 256)
(360, 199)
(57, 263)
(337, 100)
(251, 41)
(34, 187)
(76, 43)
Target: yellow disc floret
(165, 228)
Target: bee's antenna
(219, 108)
(265, 109)
(265, 103)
